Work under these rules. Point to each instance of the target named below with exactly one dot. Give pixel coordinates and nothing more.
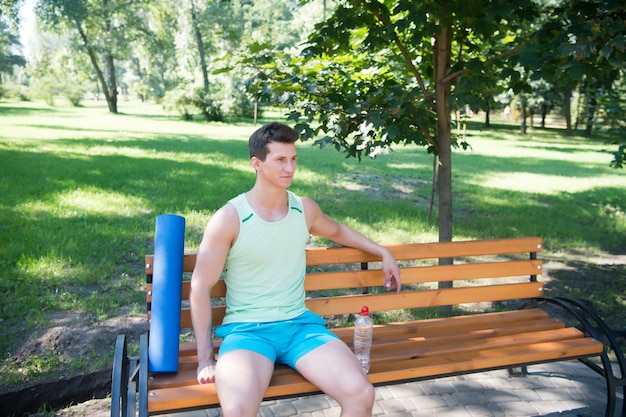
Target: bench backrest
(341, 280)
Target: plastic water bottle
(363, 330)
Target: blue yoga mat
(167, 277)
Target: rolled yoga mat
(167, 276)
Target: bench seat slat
(407, 349)
(414, 349)
(454, 324)
(383, 342)
(482, 325)
(392, 370)
(486, 359)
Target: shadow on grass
(24, 111)
(48, 219)
(600, 286)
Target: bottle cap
(365, 311)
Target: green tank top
(265, 268)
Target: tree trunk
(99, 74)
(201, 52)
(591, 111)
(523, 111)
(443, 48)
(487, 111)
(567, 109)
(112, 92)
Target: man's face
(279, 166)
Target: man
(258, 239)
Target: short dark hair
(270, 132)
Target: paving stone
(426, 402)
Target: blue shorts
(283, 341)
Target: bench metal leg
(143, 375)
(522, 373)
(594, 326)
(119, 379)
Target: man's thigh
(242, 377)
(333, 368)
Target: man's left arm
(322, 225)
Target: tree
(9, 9)
(382, 73)
(589, 42)
(101, 29)
(8, 58)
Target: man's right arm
(219, 235)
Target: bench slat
(410, 275)
(488, 330)
(435, 327)
(486, 359)
(291, 383)
(426, 348)
(424, 274)
(435, 250)
(347, 304)
(410, 350)
(456, 324)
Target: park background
(150, 115)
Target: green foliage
(181, 101)
(8, 42)
(612, 119)
(357, 84)
(208, 106)
(241, 106)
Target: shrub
(180, 100)
(210, 108)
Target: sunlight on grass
(544, 184)
(79, 202)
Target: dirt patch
(71, 340)
(91, 408)
(384, 188)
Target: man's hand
(206, 373)
(392, 273)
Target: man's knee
(239, 409)
(360, 400)
(368, 395)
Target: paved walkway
(550, 390)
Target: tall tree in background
(597, 40)
(195, 23)
(101, 28)
(8, 58)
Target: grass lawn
(80, 190)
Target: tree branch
(504, 54)
(407, 57)
(403, 50)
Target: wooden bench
(341, 280)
